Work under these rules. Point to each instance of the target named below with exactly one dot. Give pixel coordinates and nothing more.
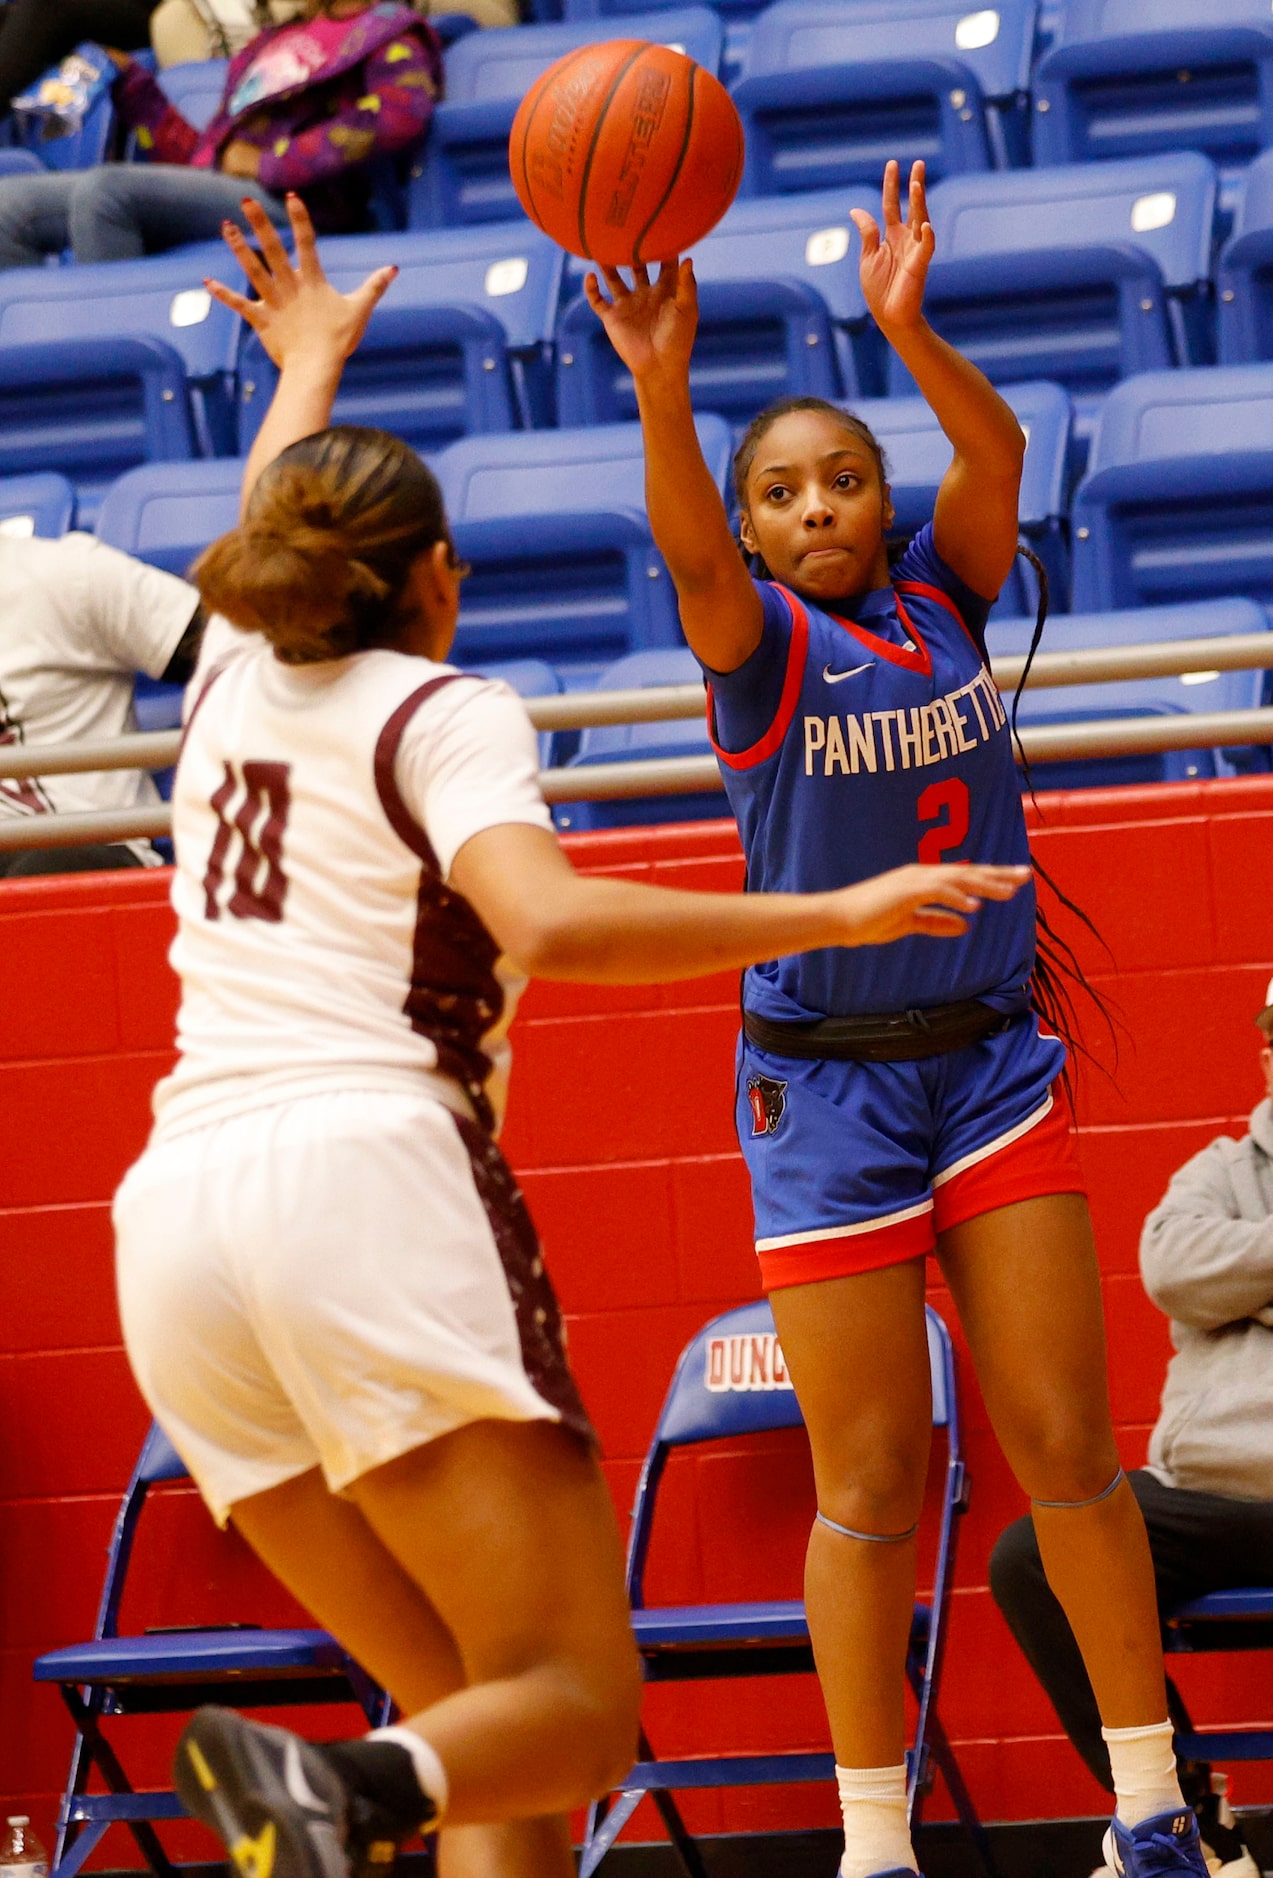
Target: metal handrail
(691, 775)
(581, 710)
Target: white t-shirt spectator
(78, 621)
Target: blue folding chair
(780, 312)
(731, 1382)
(172, 1672)
(1244, 272)
(1192, 694)
(90, 409)
(1082, 274)
(553, 524)
(36, 505)
(161, 296)
(460, 344)
(1240, 1619)
(918, 453)
(626, 743)
(1177, 503)
(829, 92)
(167, 514)
(1130, 78)
(463, 176)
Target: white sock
(876, 1835)
(1143, 1763)
(429, 1770)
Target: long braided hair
(1057, 977)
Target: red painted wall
(621, 1129)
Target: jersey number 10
(952, 796)
(259, 823)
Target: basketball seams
(664, 199)
(558, 70)
(597, 129)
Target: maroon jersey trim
(792, 683)
(454, 998)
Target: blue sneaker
(1166, 1846)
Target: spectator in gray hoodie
(1206, 1257)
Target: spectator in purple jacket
(306, 107)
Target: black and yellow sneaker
(277, 1805)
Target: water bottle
(21, 1854)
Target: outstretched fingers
(273, 252)
(236, 302)
(891, 195)
(917, 205)
(308, 265)
(367, 298)
(868, 231)
(259, 276)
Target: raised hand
(894, 265)
(298, 314)
(935, 900)
(650, 324)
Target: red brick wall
(621, 1128)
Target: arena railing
(664, 776)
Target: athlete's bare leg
(857, 1352)
(1027, 1287)
(504, 1629)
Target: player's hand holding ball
(938, 901)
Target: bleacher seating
(168, 514)
(460, 344)
(564, 567)
(1244, 272)
(463, 177)
(918, 455)
(625, 743)
(1194, 693)
(529, 678)
(1083, 274)
(1177, 503)
(35, 505)
(196, 89)
(828, 92)
(162, 296)
(1133, 77)
(780, 310)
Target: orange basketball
(626, 152)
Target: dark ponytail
(320, 563)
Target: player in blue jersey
(903, 1100)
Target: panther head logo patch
(768, 1099)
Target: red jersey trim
(930, 593)
(919, 660)
(793, 680)
(840, 1257)
(1042, 1160)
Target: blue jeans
(120, 211)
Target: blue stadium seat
(779, 307)
(1133, 77)
(830, 91)
(459, 345)
(1194, 693)
(736, 16)
(162, 296)
(1177, 503)
(626, 743)
(1082, 274)
(554, 526)
(1244, 273)
(529, 678)
(196, 88)
(90, 409)
(167, 514)
(463, 177)
(36, 505)
(918, 456)
(19, 161)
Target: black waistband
(895, 1037)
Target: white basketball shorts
(331, 1282)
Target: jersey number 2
(259, 821)
(952, 796)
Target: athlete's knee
(1066, 1460)
(881, 1492)
(603, 1700)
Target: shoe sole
(224, 1778)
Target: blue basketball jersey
(849, 748)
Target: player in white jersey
(330, 1288)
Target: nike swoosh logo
(297, 1785)
(833, 678)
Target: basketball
(625, 152)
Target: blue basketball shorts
(855, 1166)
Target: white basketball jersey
(316, 813)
